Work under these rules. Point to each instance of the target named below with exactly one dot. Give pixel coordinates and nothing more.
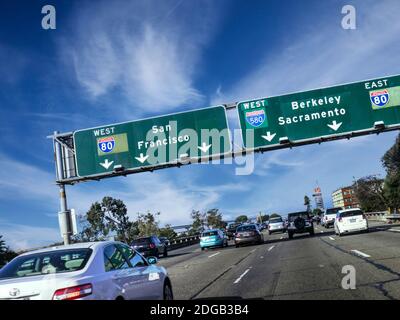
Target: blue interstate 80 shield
(380, 97)
(256, 118)
(106, 144)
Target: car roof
(348, 210)
(81, 245)
(208, 230)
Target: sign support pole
(64, 214)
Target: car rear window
(332, 211)
(246, 228)
(351, 213)
(293, 216)
(58, 261)
(141, 241)
(275, 220)
(210, 233)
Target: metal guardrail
(183, 242)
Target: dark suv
(231, 230)
(299, 222)
(150, 246)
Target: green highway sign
(152, 142)
(322, 113)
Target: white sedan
(94, 270)
(350, 220)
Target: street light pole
(65, 215)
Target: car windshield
(293, 216)
(58, 261)
(233, 226)
(246, 228)
(141, 241)
(275, 220)
(351, 213)
(209, 233)
(332, 211)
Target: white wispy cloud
(22, 237)
(326, 55)
(147, 52)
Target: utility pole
(64, 214)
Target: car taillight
(152, 245)
(73, 293)
(364, 217)
(340, 219)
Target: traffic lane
(302, 268)
(290, 269)
(194, 275)
(379, 249)
(179, 255)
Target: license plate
(353, 220)
(246, 234)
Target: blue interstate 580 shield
(255, 118)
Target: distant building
(319, 201)
(345, 198)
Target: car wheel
(236, 245)
(269, 232)
(312, 233)
(165, 254)
(168, 295)
(290, 235)
(157, 255)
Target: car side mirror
(152, 260)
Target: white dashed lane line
(270, 248)
(361, 254)
(241, 276)
(213, 255)
(332, 238)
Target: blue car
(213, 238)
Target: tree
(111, 215)
(392, 191)
(307, 203)
(167, 232)
(6, 254)
(391, 163)
(317, 212)
(391, 159)
(198, 222)
(241, 219)
(147, 224)
(214, 219)
(370, 195)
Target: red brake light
(152, 245)
(73, 293)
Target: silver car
(276, 225)
(106, 270)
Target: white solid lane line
(269, 249)
(241, 276)
(362, 254)
(213, 255)
(331, 238)
(395, 230)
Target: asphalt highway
(302, 268)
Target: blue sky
(124, 60)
